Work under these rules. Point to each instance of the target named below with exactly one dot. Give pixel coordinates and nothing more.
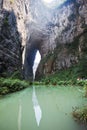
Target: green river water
(41, 108)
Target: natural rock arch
(33, 45)
(61, 28)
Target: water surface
(17, 111)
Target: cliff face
(65, 35)
(59, 34)
(10, 42)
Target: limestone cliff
(10, 42)
(59, 34)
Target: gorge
(59, 33)
(54, 33)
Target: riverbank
(10, 85)
(13, 84)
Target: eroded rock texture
(59, 34)
(10, 43)
(64, 32)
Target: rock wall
(67, 42)
(10, 42)
(59, 34)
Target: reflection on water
(17, 112)
(36, 106)
(19, 115)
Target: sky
(53, 3)
(36, 62)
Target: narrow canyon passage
(52, 33)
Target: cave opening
(32, 58)
(36, 62)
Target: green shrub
(4, 91)
(81, 82)
(80, 114)
(85, 88)
(8, 85)
(63, 77)
(38, 83)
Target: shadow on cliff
(10, 44)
